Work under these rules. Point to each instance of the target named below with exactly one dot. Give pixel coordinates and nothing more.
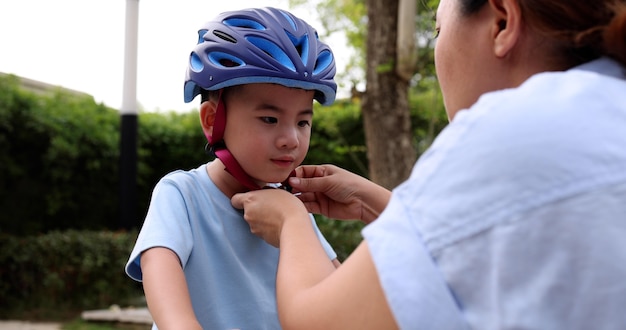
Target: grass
(79, 324)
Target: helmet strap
(232, 166)
(217, 145)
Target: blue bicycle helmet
(264, 45)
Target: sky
(79, 44)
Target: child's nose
(288, 139)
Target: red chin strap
(216, 143)
(233, 167)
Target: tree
(389, 35)
(386, 114)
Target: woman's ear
(506, 25)
(207, 116)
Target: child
(257, 71)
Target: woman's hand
(267, 210)
(339, 194)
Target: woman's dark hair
(583, 30)
(469, 7)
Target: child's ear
(207, 116)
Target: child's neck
(225, 182)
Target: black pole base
(128, 172)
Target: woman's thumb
(237, 201)
(302, 184)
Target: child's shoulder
(186, 177)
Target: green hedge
(64, 272)
(59, 156)
(58, 161)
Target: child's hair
(206, 95)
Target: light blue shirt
(516, 217)
(230, 272)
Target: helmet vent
(201, 34)
(324, 60)
(301, 45)
(290, 20)
(225, 60)
(228, 63)
(224, 36)
(244, 23)
(273, 51)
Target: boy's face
(268, 128)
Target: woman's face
(463, 57)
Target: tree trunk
(386, 114)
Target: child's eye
(436, 33)
(304, 123)
(269, 120)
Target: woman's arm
(311, 292)
(166, 290)
(351, 297)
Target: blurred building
(42, 87)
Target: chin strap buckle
(283, 185)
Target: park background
(63, 244)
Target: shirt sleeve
(414, 287)
(330, 252)
(164, 226)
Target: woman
(514, 218)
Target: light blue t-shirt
(516, 217)
(230, 272)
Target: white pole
(406, 56)
(129, 98)
(129, 125)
